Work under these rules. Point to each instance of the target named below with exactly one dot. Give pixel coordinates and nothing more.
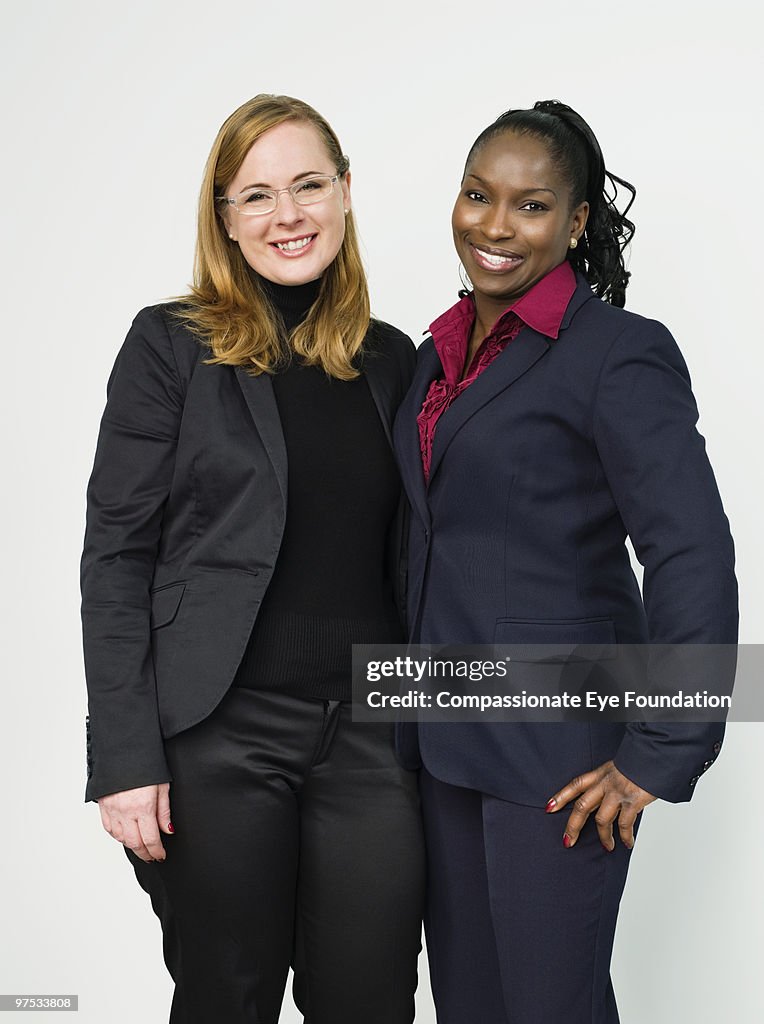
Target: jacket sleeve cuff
(668, 760)
(111, 769)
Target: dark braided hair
(572, 143)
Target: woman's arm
(128, 489)
(656, 466)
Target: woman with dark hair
(544, 425)
(243, 532)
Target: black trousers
(519, 929)
(298, 840)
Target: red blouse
(541, 308)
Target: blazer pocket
(552, 641)
(165, 602)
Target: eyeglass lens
(262, 200)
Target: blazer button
(694, 779)
(717, 747)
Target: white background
(109, 111)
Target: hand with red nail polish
(136, 818)
(610, 796)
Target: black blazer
(186, 510)
(539, 471)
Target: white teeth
(494, 259)
(299, 243)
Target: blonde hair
(227, 307)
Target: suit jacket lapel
(518, 357)
(261, 401)
(382, 385)
(407, 431)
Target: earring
(573, 243)
(347, 212)
(466, 283)
(232, 238)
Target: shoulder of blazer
(385, 341)
(613, 334)
(587, 310)
(158, 328)
(427, 346)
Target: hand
(608, 792)
(134, 818)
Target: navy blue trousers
(519, 929)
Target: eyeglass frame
(277, 192)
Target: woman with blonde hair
(243, 532)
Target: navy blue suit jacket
(539, 471)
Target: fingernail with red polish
(567, 842)
(170, 827)
(608, 849)
(550, 805)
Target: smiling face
(294, 244)
(512, 220)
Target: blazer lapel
(383, 389)
(407, 431)
(261, 401)
(518, 357)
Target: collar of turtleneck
(292, 301)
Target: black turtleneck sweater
(329, 589)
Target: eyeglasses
(254, 202)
